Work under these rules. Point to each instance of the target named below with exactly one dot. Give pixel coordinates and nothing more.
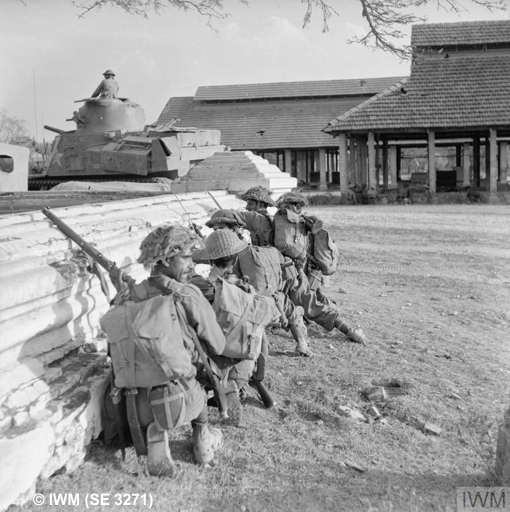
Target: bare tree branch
(385, 18)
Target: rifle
(259, 374)
(192, 225)
(219, 391)
(264, 394)
(214, 199)
(118, 277)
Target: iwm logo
(482, 498)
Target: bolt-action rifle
(119, 278)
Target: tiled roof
(263, 124)
(327, 88)
(457, 90)
(466, 33)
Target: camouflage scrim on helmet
(227, 217)
(259, 193)
(293, 197)
(220, 244)
(164, 242)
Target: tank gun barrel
(52, 129)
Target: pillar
(492, 185)
(432, 162)
(288, 161)
(323, 183)
(361, 161)
(342, 167)
(503, 162)
(352, 162)
(465, 165)
(385, 163)
(372, 184)
(393, 166)
(476, 161)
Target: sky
(51, 57)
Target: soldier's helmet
(293, 197)
(258, 194)
(220, 244)
(227, 217)
(108, 72)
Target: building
(282, 122)
(457, 96)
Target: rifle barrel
(78, 240)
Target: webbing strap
(167, 399)
(134, 424)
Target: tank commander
(167, 252)
(108, 88)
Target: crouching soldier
(241, 312)
(292, 231)
(152, 336)
(263, 265)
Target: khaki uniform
(107, 89)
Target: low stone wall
(52, 362)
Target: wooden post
(352, 161)
(323, 176)
(432, 162)
(393, 166)
(361, 153)
(493, 181)
(385, 163)
(476, 161)
(288, 161)
(372, 184)
(503, 162)
(465, 165)
(342, 167)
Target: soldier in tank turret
(108, 88)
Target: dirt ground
(430, 285)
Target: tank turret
(109, 115)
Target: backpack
(263, 266)
(324, 252)
(146, 343)
(290, 236)
(242, 317)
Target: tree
(11, 127)
(384, 18)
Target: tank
(112, 143)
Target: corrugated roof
(262, 125)
(466, 33)
(459, 90)
(328, 88)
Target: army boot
(206, 440)
(302, 348)
(355, 335)
(159, 458)
(235, 409)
